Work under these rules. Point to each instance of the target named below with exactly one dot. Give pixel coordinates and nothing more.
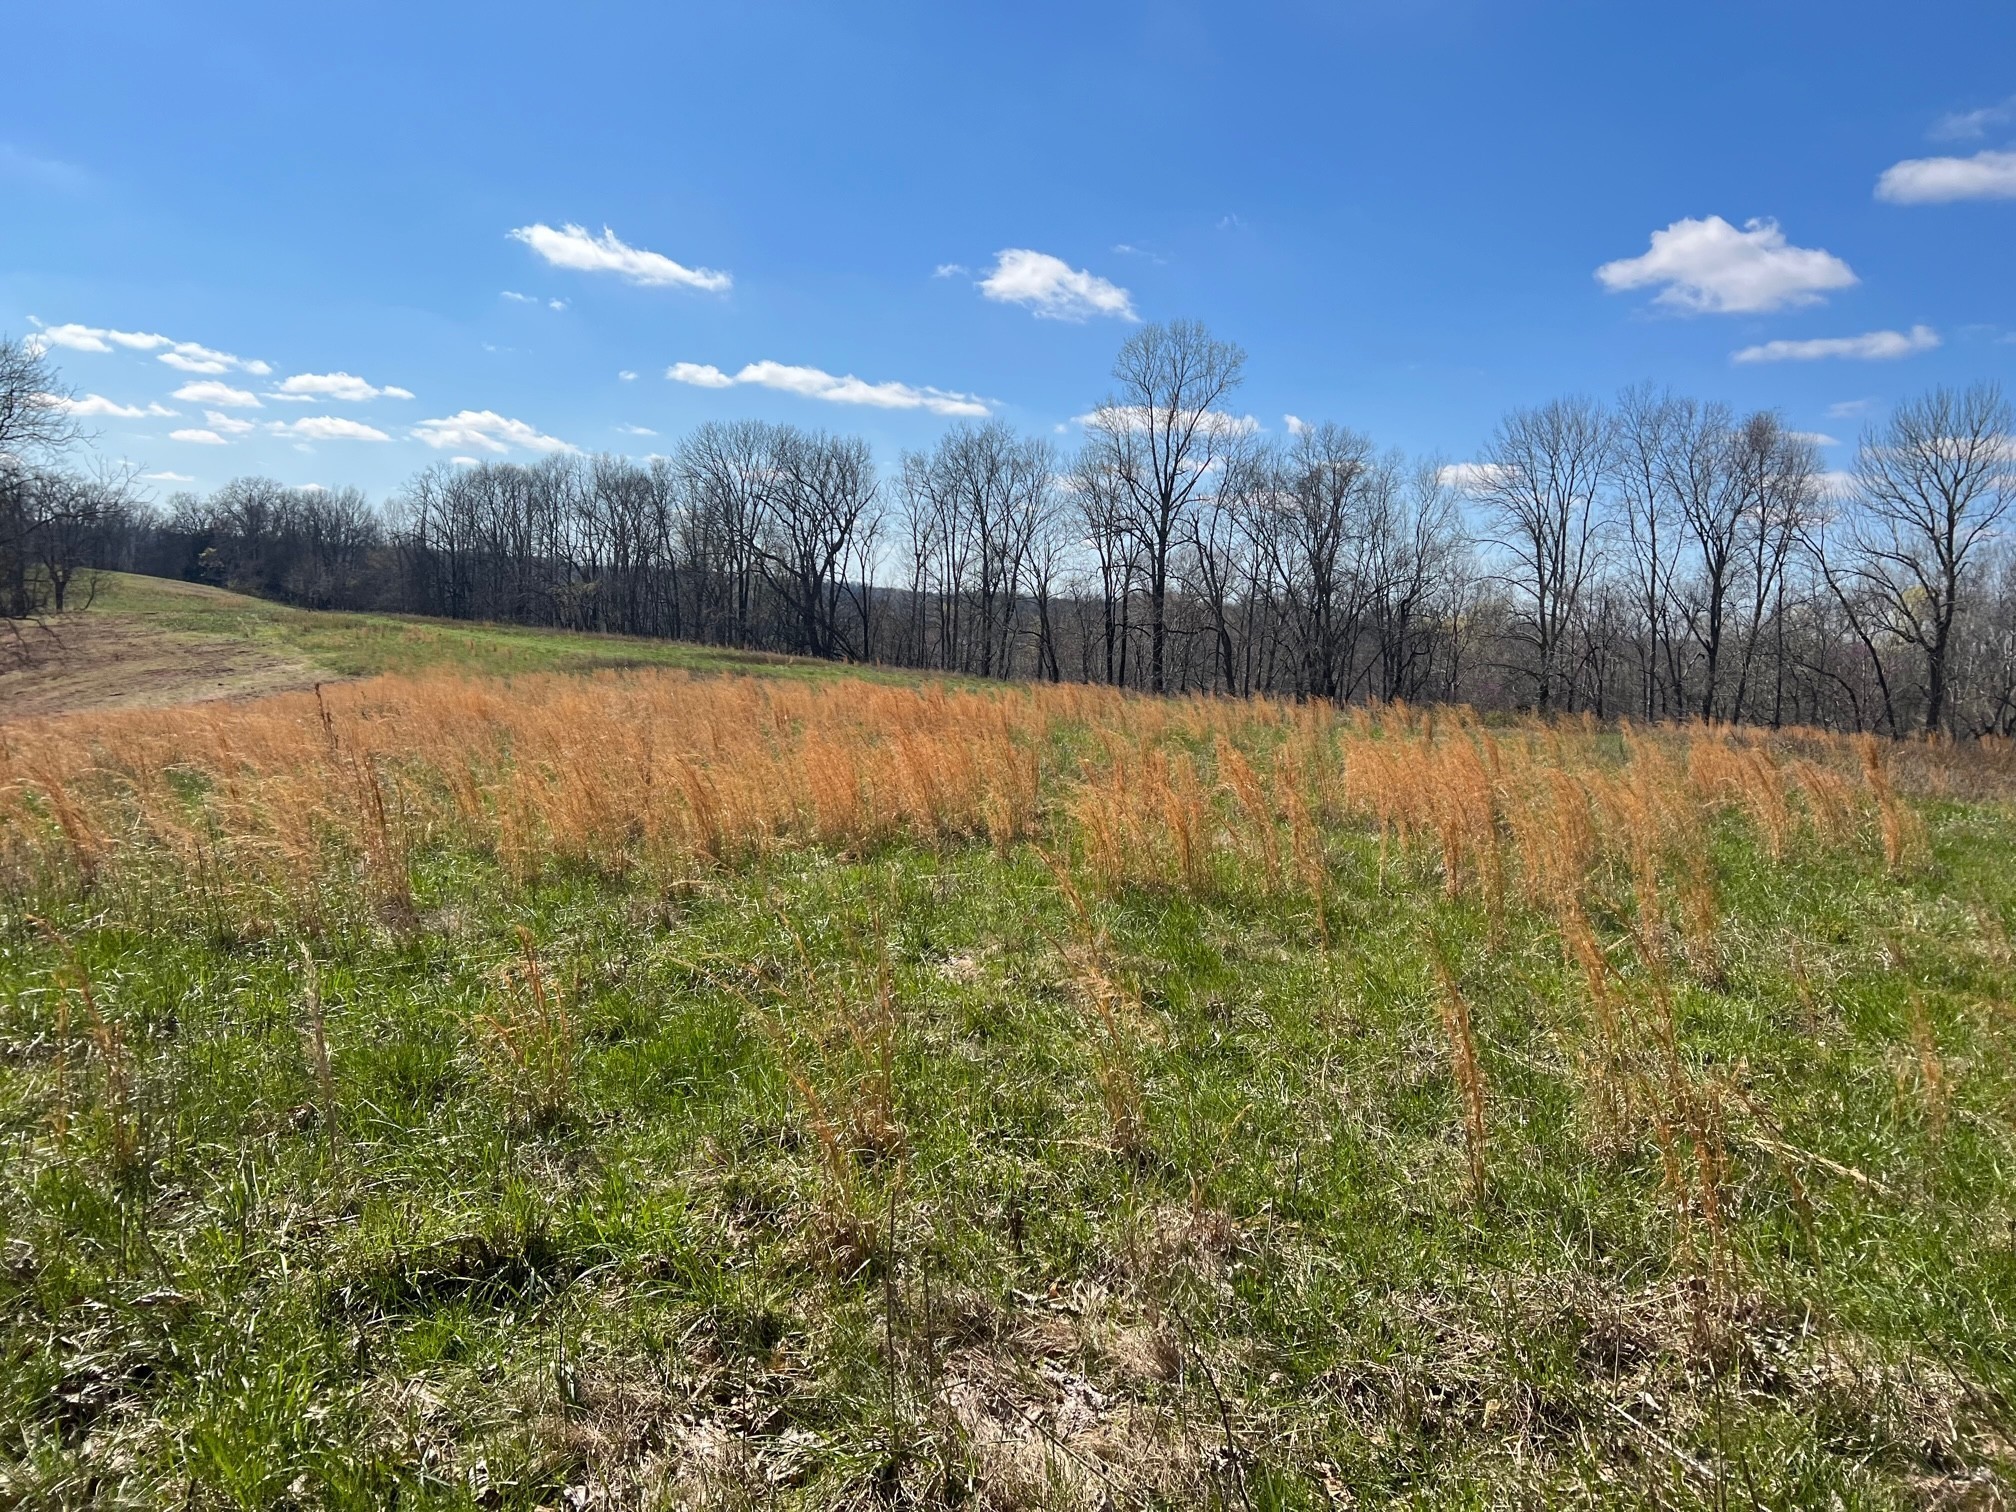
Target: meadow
(153, 642)
(633, 1088)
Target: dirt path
(110, 661)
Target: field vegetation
(636, 1088)
(129, 641)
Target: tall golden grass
(289, 809)
(308, 813)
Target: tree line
(1656, 556)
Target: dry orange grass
(296, 805)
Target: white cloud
(1813, 438)
(1470, 477)
(1967, 125)
(699, 374)
(516, 298)
(465, 461)
(485, 431)
(1848, 409)
(1940, 180)
(627, 376)
(1053, 288)
(814, 383)
(198, 437)
(168, 477)
(636, 430)
(556, 304)
(1873, 346)
(306, 388)
(950, 270)
(82, 338)
(227, 425)
(1295, 423)
(1709, 265)
(97, 406)
(189, 356)
(1128, 417)
(326, 428)
(210, 391)
(575, 247)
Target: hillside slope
(151, 643)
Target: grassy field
(152, 642)
(636, 1089)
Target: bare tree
(1647, 423)
(36, 428)
(1322, 527)
(1775, 478)
(1160, 435)
(824, 498)
(1931, 489)
(1100, 501)
(1417, 549)
(726, 476)
(1542, 483)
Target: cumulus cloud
(485, 431)
(1132, 418)
(1941, 180)
(1814, 438)
(83, 338)
(211, 391)
(699, 374)
(636, 430)
(227, 425)
(1295, 423)
(1470, 477)
(188, 356)
(815, 383)
(167, 477)
(327, 428)
(1872, 346)
(575, 247)
(1711, 266)
(97, 406)
(627, 376)
(950, 270)
(1053, 288)
(1970, 125)
(191, 357)
(197, 437)
(306, 388)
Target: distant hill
(150, 642)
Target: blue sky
(1399, 207)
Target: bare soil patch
(111, 661)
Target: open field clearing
(153, 642)
(635, 1089)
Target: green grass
(364, 645)
(451, 1290)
